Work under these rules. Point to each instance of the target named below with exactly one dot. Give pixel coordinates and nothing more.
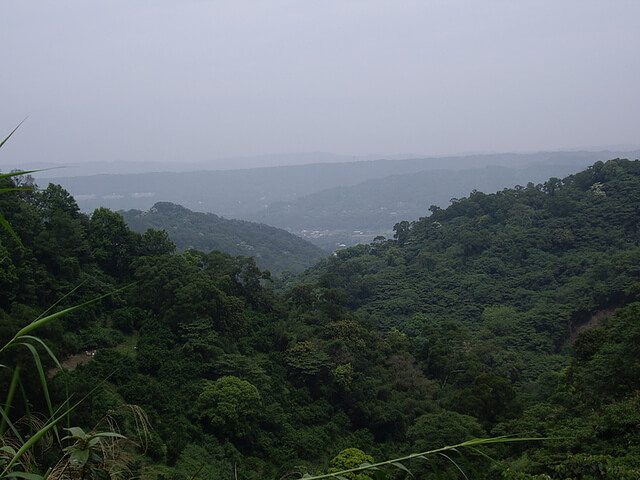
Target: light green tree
(229, 403)
(351, 458)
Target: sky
(201, 80)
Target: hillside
(504, 313)
(554, 244)
(359, 213)
(273, 249)
(509, 284)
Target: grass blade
(46, 347)
(488, 457)
(31, 441)
(8, 228)
(43, 379)
(423, 455)
(25, 172)
(454, 462)
(12, 427)
(10, 394)
(42, 321)
(12, 132)
(70, 292)
(470, 466)
(38, 435)
(402, 467)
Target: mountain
(504, 313)
(359, 213)
(244, 193)
(555, 253)
(127, 167)
(273, 249)
(524, 306)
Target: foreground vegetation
(509, 313)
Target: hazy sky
(194, 80)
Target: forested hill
(359, 213)
(506, 285)
(553, 254)
(506, 313)
(273, 249)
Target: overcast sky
(196, 80)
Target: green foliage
(465, 327)
(112, 244)
(433, 430)
(229, 404)
(306, 359)
(596, 467)
(156, 242)
(351, 458)
(86, 452)
(273, 249)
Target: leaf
(454, 462)
(10, 450)
(107, 434)
(7, 406)
(6, 419)
(8, 228)
(475, 473)
(27, 476)
(30, 442)
(76, 432)
(401, 467)
(12, 132)
(380, 474)
(502, 439)
(396, 462)
(494, 461)
(43, 378)
(79, 457)
(12, 189)
(435, 469)
(46, 347)
(43, 321)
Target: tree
(351, 458)
(489, 398)
(433, 430)
(401, 230)
(54, 198)
(112, 243)
(229, 404)
(156, 242)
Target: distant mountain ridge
(242, 193)
(359, 213)
(273, 249)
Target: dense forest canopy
(513, 312)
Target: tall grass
(382, 469)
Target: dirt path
(71, 362)
(595, 320)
